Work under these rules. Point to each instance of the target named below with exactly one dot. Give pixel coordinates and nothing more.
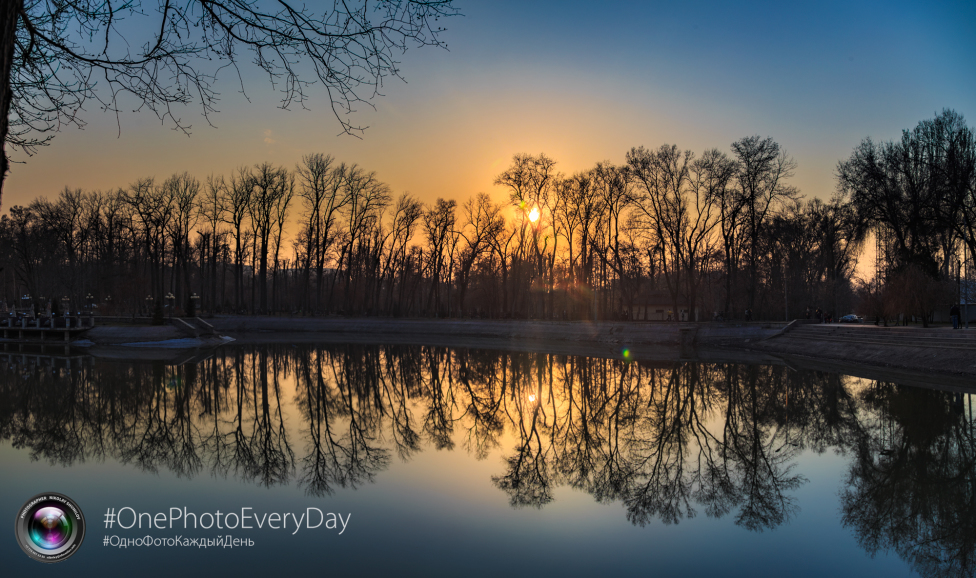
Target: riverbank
(643, 341)
(262, 329)
(878, 351)
(940, 350)
(912, 354)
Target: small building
(657, 305)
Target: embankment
(939, 350)
(877, 353)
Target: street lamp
(91, 302)
(149, 304)
(65, 311)
(172, 303)
(195, 300)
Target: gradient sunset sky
(581, 82)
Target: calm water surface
(484, 463)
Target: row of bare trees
(712, 234)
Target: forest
(709, 236)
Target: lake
(373, 460)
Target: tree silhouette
(910, 486)
(53, 52)
(916, 193)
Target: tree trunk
(9, 12)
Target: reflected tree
(667, 440)
(911, 487)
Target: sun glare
(534, 214)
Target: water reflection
(667, 440)
(911, 487)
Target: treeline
(918, 196)
(712, 234)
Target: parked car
(851, 319)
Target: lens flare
(50, 528)
(626, 354)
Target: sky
(579, 81)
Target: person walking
(954, 314)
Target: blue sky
(582, 83)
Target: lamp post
(172, 303)
(195, 301)
(91, 304)
(786, 294)
(149, 304)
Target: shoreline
(754, 342)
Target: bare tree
(438, 224)
(237, 210)
(730, 205)
(273, 189)
(710, 177)
(151, 206)
(213, 206)
(483, 221)
(53, 52)
(279, 216)
(183, 190)
(531, 182)
(920, 189)
(578, 212)
(64, 219)
(763, 170)
(321, 185)
(406, 214)
(613, 185)
(662, 179)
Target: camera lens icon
(50, 527)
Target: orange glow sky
(579, 83)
